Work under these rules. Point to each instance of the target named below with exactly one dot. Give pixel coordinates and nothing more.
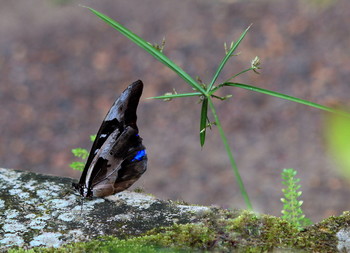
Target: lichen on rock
(41, 210)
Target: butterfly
(117, 157)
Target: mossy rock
(39, 215)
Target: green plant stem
(242, 72)
(229, 153)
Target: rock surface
(42, 210)
(59, 78)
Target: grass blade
(227, 56)
(286, 97)
(203, 122)
(170, 96)
(150, 49)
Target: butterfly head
(83, 190)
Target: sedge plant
(206, 91)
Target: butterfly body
(117, 158)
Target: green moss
(139, 190)
(181, 202)
(223, 231)
(321, 237)
(107, 244)
(188, 236)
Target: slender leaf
(150, 49)
(203, 121)
(225, 59)
(193, 94)
(286, 97)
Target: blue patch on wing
(139, 155)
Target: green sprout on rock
(81, 153)
(292, 211)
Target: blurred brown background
(61, 68)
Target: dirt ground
(61, 69)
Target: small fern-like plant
(81, 153)
(292, 211)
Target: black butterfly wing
(132, 168)
(119, 154)
(121, 115)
